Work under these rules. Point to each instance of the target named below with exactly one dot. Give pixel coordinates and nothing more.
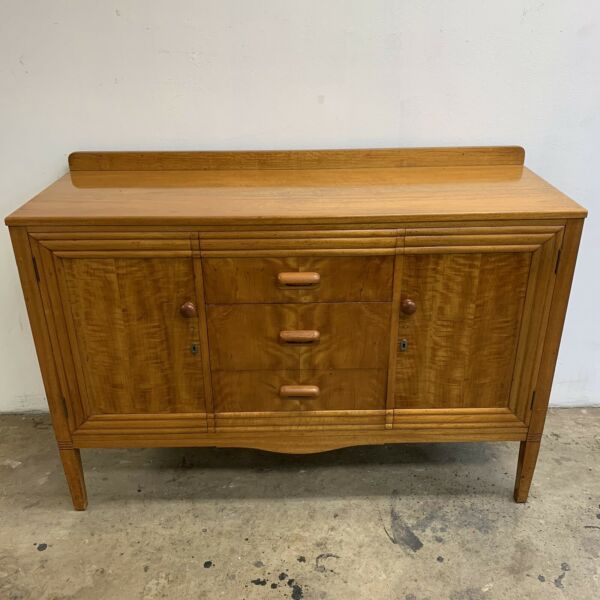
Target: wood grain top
(256, 195)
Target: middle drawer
(261, 336)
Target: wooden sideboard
(297, 301)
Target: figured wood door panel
(474, 339)
(352, 335)
(462, 339)
(132, 350)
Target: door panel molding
(541, 245)
(137, 288)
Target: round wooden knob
(408, 306)
(188, 310)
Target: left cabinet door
(127, 323)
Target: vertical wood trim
(72, 337)
(554, 248)
(390, 402)
(557, 313)
(525, 326)
(39, 329)
(55, 320)
(534, 322)
(203, 332)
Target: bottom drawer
(261, 391)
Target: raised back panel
(296, 159)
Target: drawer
(298, 279)
(249, 336)
(283, 391)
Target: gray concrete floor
(411, 522)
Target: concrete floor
(411, 522)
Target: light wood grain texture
(390, 401)
(560, 297)
(463, 337)
(341, 279)
(203, 334)
(68, 369)
(319, 196)
(133, 346)
(158, 286)
(59, 410)
(71, 461)
(259, 391)
(145, 424)
(246, 336)
(535, 319)
(300, 441)
(296, 159)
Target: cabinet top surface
(296, 187)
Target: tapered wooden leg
(71, 461)
(528, 453)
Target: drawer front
(298, 279)
(309, 390)
(344, 336)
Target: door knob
(408, 306)
(188, 310)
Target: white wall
(235, 74)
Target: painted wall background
(230, 74)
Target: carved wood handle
(299, 391)
(408, 306)
(188, 310)
(301, 336)
(298, 279)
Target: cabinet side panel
(35, 311)
(558, 309)
(533, 329)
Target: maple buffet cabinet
(297, 301)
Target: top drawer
(298, 279)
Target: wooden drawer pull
(298, 279)
(299, 391)
(301, 336)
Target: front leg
(71, 461)
(528, 453)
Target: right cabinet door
(481, 297)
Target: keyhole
(403, 345)
(194, 348)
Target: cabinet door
(481, 301)
(123, 336)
